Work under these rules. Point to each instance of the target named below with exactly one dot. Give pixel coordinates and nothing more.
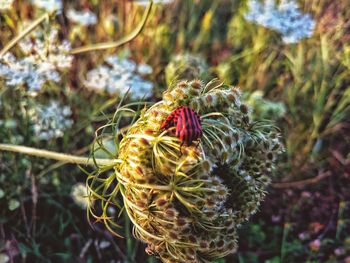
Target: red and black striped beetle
(186, 122)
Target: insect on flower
(186, 122)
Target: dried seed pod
(181, 197)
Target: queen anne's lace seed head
(285, 18)
(186, 201)
(50, 121)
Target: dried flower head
(197, 195)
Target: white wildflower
(121, 65)
(85, 18)
(50, 121)
(80, 195)
(26, 71)
(98, 78)
(248, 178)
(144, 69)
(48, 5)
(49, 49)
(42, 58)
(146, 2)
(104, 244)
(284, 18)
(5, 4)
(118, 77)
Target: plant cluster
(292, 59)
(186, 201)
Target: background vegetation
(303, 86)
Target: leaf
(213, 84)
(13, 204)
(273, 260)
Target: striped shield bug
(187, 124)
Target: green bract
(187, 203)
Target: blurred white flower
(284, 18)
(315, 245)
(42, 57)
(104, 244)
(26, 71)
(120, 76)
(48, 5)
(4, 258)
(339, 251)
(146, 2)
(48, 49)
(50, 121)
(144, 69)
(5, 4)
(85, 18)
(303, 236)
(80, 195)
(121, 65)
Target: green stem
(119, 42)
(67, 158)
(284, 241)
(129, 240)
(29, 29)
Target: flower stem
(21, 35)
(127, 38)
(67, 158)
